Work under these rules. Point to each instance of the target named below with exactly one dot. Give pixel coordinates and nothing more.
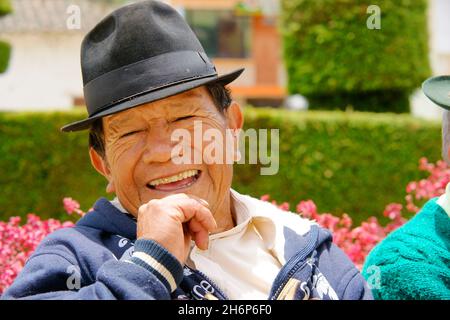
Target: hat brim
(152, 96)
(437, 89)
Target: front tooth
(182, 175)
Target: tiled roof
(52, 15)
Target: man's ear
(235, 118)
(101, 166)
(235, 122)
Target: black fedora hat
(141, 53)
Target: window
(222, 33)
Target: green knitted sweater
(413, 261)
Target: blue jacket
(100, 258)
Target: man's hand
(173, 221)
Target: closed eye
(130, 133)
(183, 118)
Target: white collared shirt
(245, 260)
(444, 200)
(116, 203)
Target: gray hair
(445, 135)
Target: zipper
(210, 282)
(292, 265)
(205, 277)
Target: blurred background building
(44, 69)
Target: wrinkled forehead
(186, 102)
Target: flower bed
(17, 242)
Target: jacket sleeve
(151, 273)
(342, 274)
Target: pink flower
(393, 211)
(284, 206)
(72, 206)
(307, 208)
(17, 242)
(433, 186)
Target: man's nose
(159, 145)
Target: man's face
(138, 149)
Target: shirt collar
(116, 203)
(444, 200)
(272, 223)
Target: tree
(5, 48)
(347, 53)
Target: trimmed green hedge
(331, 54)
(5, 7)
(40, 165)
(5, 48)
(5, 53)
(345, 162)
(350, 162)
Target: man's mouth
(180, 180)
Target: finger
(204, 216)
(195, 231)
(199, 234)
(202, 240)
(195, 226)
(181, 196)
(203, 202)
(191, 208)
(188, 235)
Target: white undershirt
(238, 260)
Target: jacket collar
(108, 218)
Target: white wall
(439, 43)
(44, 72)
(440, 24)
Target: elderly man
(413, 262)
(175, 230)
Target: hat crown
(134, 33)
(138, 54)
